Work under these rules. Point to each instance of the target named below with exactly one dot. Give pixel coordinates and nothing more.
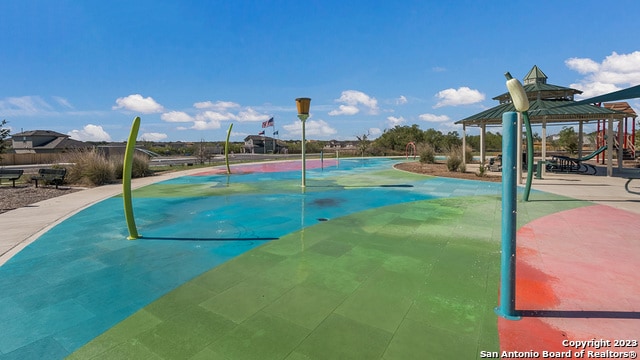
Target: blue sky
(190, 68)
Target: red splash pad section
(270, 167)
(578, 270)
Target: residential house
(44, 142)
(258, 144)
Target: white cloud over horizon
(90, 132)
(176, 116)
(318, 128)
(615, 72)
(434, 118)
(137, 103)
(461, 96)
(218, 105)
(395, 121)
(63, 102)
(352, 100)
(152, 136)
(24, 106)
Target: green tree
(363, 143)
(568, 139)
(396, 139)
(434, 138)
(4, 134)
(451, 140)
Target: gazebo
(549, 104)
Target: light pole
(303, 114)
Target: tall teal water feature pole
(506, 309)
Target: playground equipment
(411, 146)
(624, 138)
(560, 163)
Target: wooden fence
(28, 159)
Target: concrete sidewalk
(600, 189)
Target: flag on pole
(275, 132)
(261, 132)
(267, 123)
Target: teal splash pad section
(82, 277)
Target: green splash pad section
(410, 281)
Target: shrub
(454, 160)
(89, 168)
(140, 166)
(428, 154)
(117, 162)
(482, 170)
(468, 155)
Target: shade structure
(624, 94)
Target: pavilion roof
(558, 111)
(547, 102)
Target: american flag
(267, 123)
(261, 132)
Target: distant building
(44, 142)
(258, 144)
(341, 145)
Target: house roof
(48, 133)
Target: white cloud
(375, 131)
(176, 116)
(218, 105)
(583, 66)
(317, 128)
(206, 125)
(460, 96)
(62, 101)
(394, 121)
(153, 136)
(24, 106)
(214, 116)
(345, 110)
(352, 99)
(209, 120)
(615, 72)
(401, 100)
(434, 118)
(137, 103)
(251, 115)
(90, 133)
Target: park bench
(10, 174)
(50, 176)
(630, 177)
